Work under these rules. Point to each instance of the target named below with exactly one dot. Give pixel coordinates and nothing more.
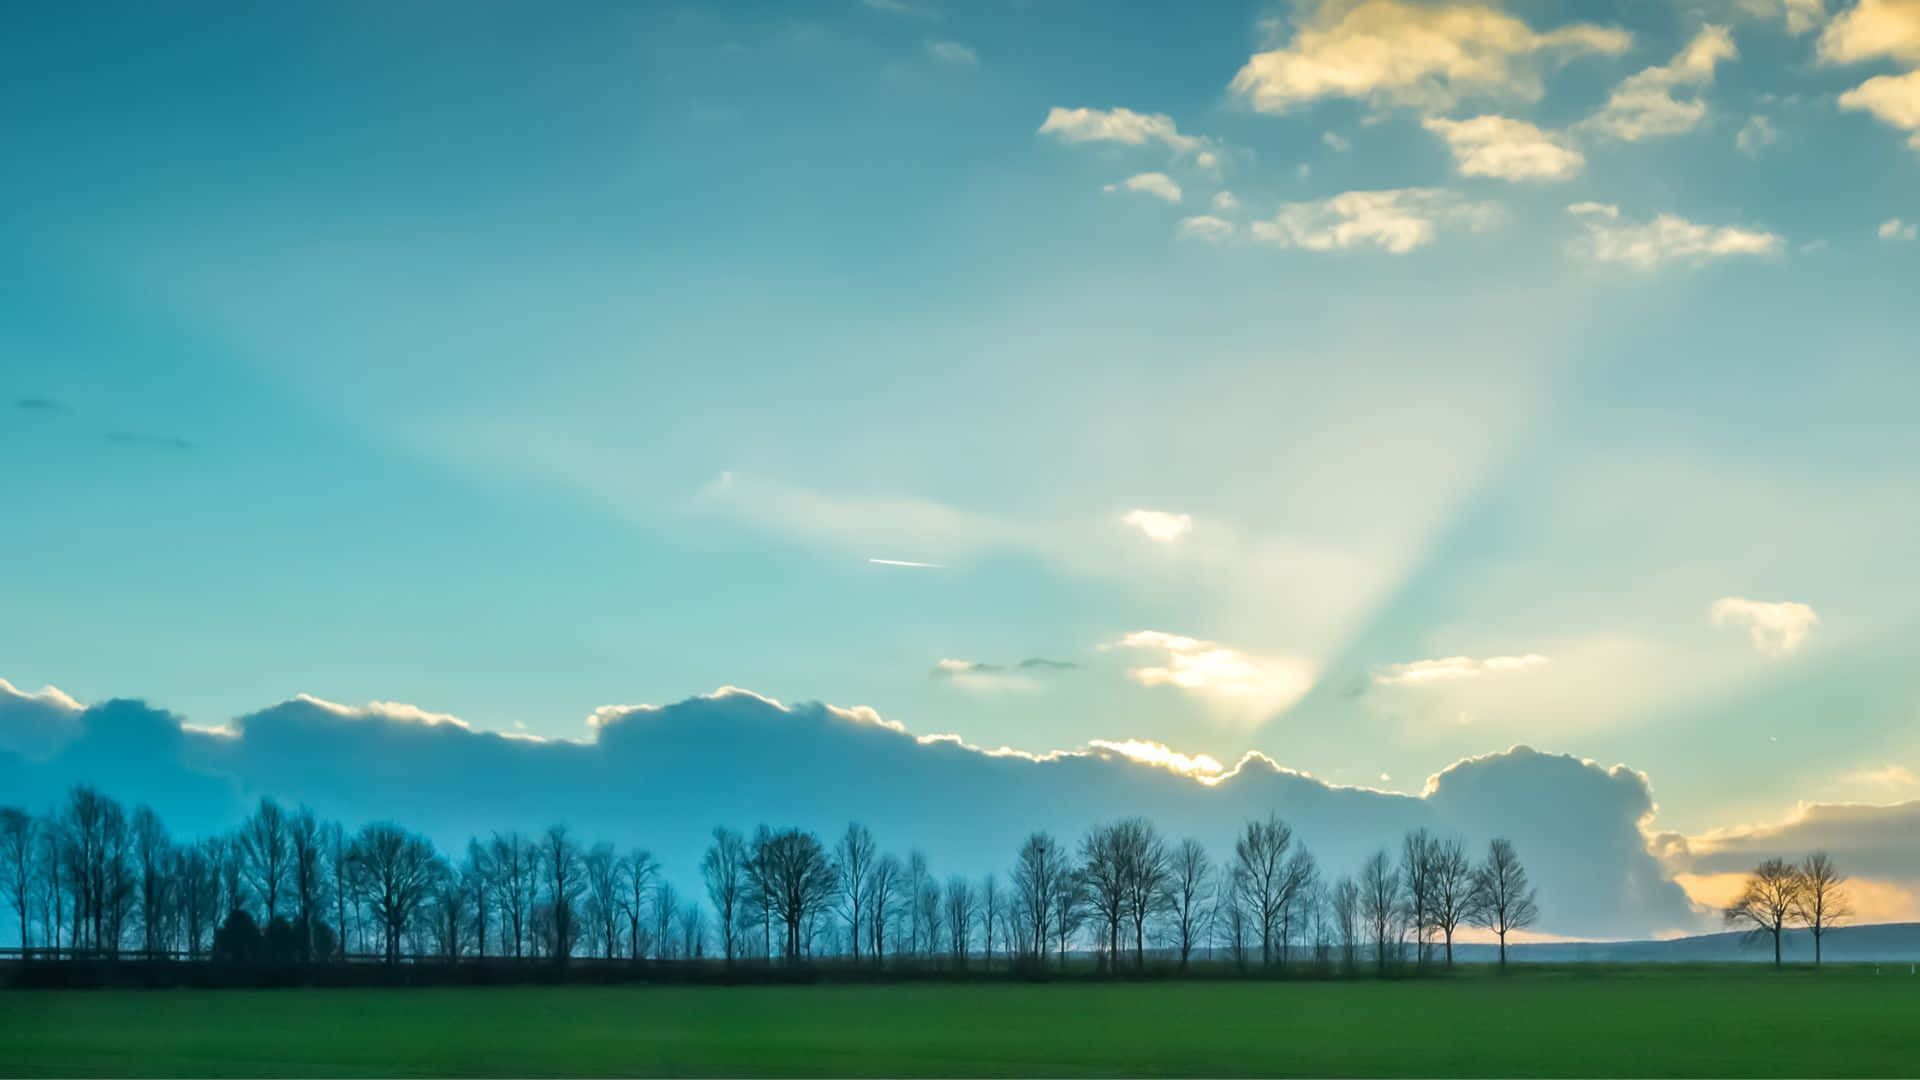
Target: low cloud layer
(663, 776)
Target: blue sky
(514, 364)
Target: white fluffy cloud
(953, 52)
(1116, 125)
(1643, 106)
(1225, 203)
(1159, 185)
(1507, 149)
(1666, 237)
(1458, 668)
(1206, 227)
(1777, 628)
(1425, 55)
(1895, 229)
(1880, 30)
(1873, 30)
(1395, 221)
(1250, 689)
(1158, 525)
(1894, 100)
(1755, 135)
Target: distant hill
(1880, 942)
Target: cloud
(1896, 777)
(1158, 525)
(1776, 628)
(981, 676)
(1249, 689)
(664, 775)
(134, 438)
(39, 404)
(1430, 56)
(908, 564)
(1877, 847)
(1895, 229)
(1507, 149)
(36, 724)
(1336, 142)
(1396, 221)
(1873, 30)
(1206, 227)
(1755, 135)
(1799, 15)
(953, 52)
(1643, 105)
(1116, 125)
(1159, 185)
(906, 8)
(1456, 668)
(1894, 100)
(1225, 203)
(1666, 237)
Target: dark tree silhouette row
(90, 879)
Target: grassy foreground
(1636, 1021)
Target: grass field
(1636, 1021)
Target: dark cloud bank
(663, 777)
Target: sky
(1369, 384)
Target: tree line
(89, 878)
(1780, 894)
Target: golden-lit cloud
(1507, 149)
(1430, 56)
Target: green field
(1640, 1021)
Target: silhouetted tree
(1040, 875)
(151, 849)
(725, 869)
(394, 870)
(1452, 892)
(1190, 889)
(265, 854)
(1503, 899)
(19, 832)
(1379, 903)
(1417, 878)
(560, 872)
(853, 870)
(638, 875)
(517, 879)
(961, 905)
(1102, 876)
(1821, 901)
(1261, 870)
(797, 879)
(1766, 902)
(990, 907)
(306, 870)
(605, 889)
(1344, 901)
(1148, 871)
(883, 883)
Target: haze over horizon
(1374, 386)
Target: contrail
(913, 565)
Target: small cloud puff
(1776, 628)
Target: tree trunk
(1776, 947)
(1503, 950)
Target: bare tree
(724, 867)
(926, 912)
(1417, 877)
(152, 847)
(304, 868)
(637, 873)
(990, 905)
(1771, 894)
(1148, 872)
(693, 931)
(395, 871)
(265, 854)
(1103, 879)
(797, 879)
(910, 886)
(19, 832)
(1069, 908)
(1452, 890)
(961, 907)
(339, 865)
(666, 904)
(1040, 874)
(883, 883)
(853, 867)
(1504, 900)
(1261, 868)
(1822, 899)
(560, 874)
(1379, 903)
(1300, 892)
(1191, 889)
(1347, 920)
(605, 890)
(480, 875)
